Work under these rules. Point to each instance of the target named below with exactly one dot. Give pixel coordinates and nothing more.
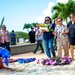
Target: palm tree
(2, 22)
(27, 26)
(63, 10)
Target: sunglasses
(46, 20)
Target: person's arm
(1, 33)
(8, 33)
(54, 33)
(66, 31)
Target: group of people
(65, 37)
(6, 38)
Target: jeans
(48, 44)
(39, 44)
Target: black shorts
(72, 40)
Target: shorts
(72, 40)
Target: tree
(20, 34)
(2, 22)
(63, 10)
(34, 24)
(27, 26)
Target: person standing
(13, 38)
(5, 38)
(39, 39)
(48, 38)
(32, 36)
(71, 26)
(62, 38)
(55, 37)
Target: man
(39, 39)
(13, 38)
(62, 38)
(32, 36)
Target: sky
(19, 12)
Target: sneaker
(34, 52)
(41, 52)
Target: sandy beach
(37, 69)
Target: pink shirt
(4, 36)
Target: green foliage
(27, 26)
(63, 10)
(20, 34)
(2, 22)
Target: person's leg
(72, 43)
(37, 46)
(59, 47)
(51, 47)
(65, 47)
(3, 45)
(41, 46)
(47, 50)
(54, 43)
(72, 51)
(7, 46)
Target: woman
(5, 38)
(62, 38)
(48, 38)
(71, 26)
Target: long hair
(49, 19)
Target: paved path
(37, 55)
(28, 55)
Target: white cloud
(40, 19)
(62, 1)
(46, 12)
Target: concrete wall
(17, 49)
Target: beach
(37, 69)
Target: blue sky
(19, 12)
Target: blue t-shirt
(13, 37)
(48, 35)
